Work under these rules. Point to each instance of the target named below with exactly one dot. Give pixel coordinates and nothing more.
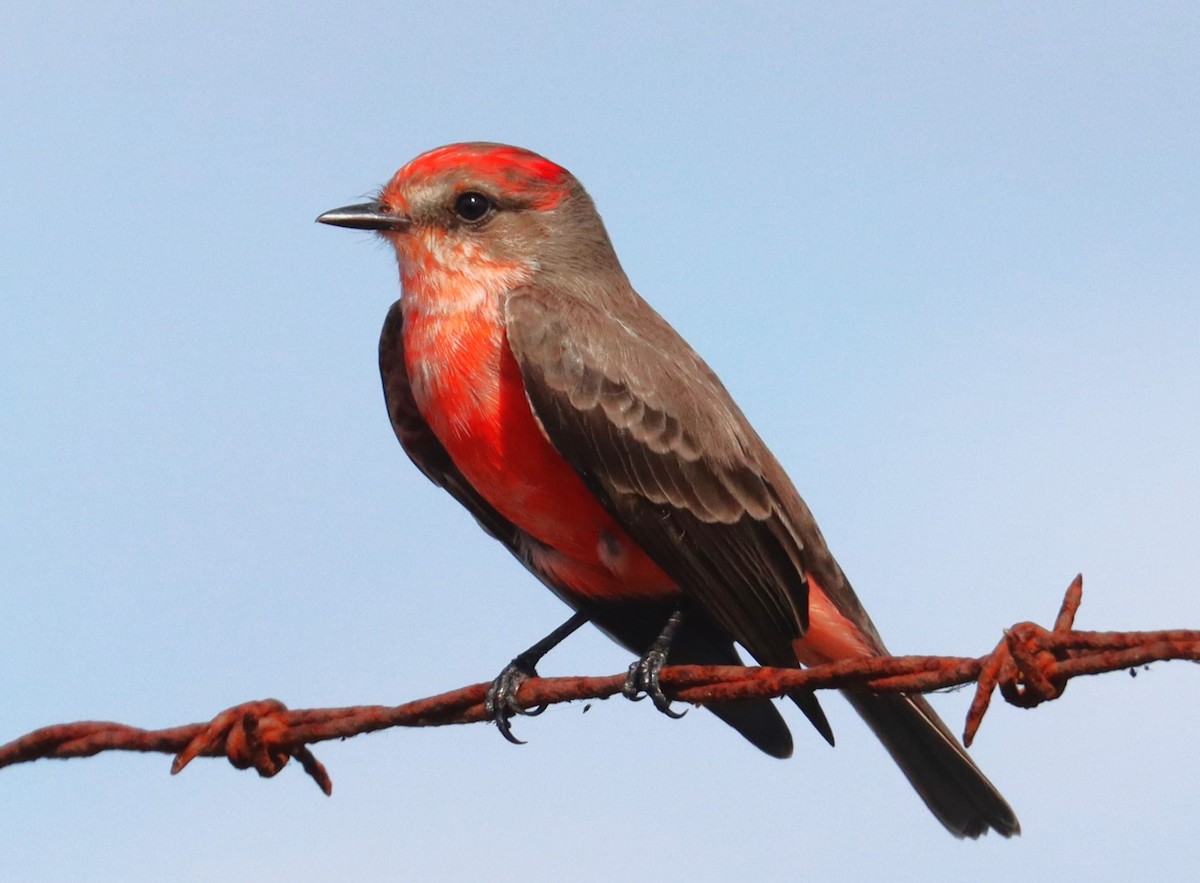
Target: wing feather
(664, 447)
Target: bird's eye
(472, 206)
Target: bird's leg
(500, 702)
(643, 674)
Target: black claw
(632, 688)
(643, 679)
(502, 724)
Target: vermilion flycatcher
(525, 376)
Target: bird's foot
(500, 701)
(643, 677)
(642, 681)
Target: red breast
(469, 389)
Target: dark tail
(759, 722)
(936, 764)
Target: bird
(524, 375)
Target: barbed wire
(1029, 665)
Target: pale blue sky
(946, 257)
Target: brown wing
(634, 626)
(658, 438)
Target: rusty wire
(1030, 665)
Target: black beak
(367, 216)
